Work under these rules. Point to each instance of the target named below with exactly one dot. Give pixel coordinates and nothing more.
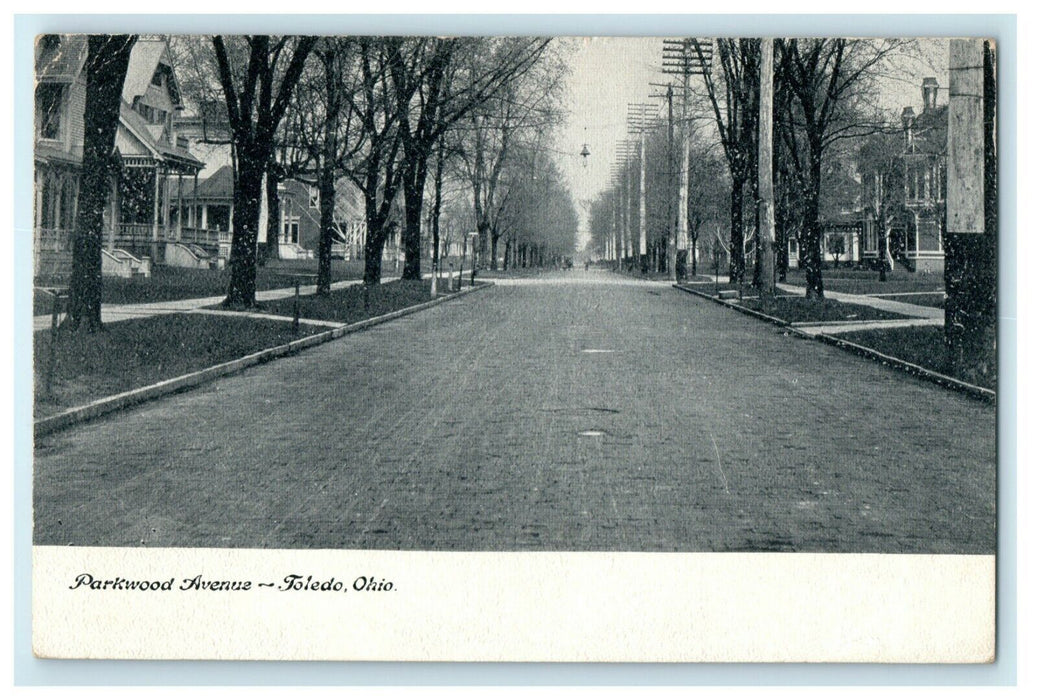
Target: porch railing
(205, 237)
(53, 239)
(52, 254)
(133, 236)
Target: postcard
(515, 348)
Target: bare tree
(323, 136)
(824, 77)
(256, 95)
(376, 168)
(734, 104)
(108, 56)
(437, 83)
(707, 183)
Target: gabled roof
(145, 58)
(219, 185)
(150, 135)
(930, 131)
(60, 57)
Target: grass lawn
(348, 305)
(797, 309)
(921, 345)
(867, 281)
(136, 353)
(747, 290)
(171, 283)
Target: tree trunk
(414, 188)
(484, 236)
(242, 289)
(693, 238)
(437, 206)
(781, 233)
(494, 237)
(273, 216)
(736, 258)
(373, 257)
(324, 246)
(107, 59)
(811, 245)
(375, 241)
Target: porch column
(37, 222)
(155, 219)
(167, 197)
(113, 215)
(180, 205)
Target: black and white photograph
(516, 307)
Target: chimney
(929, 94)
(908, 121)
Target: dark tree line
(374, 111)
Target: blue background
(32, 671)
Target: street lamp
(472, 281)
(464, 252)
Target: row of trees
(824, 98)
(381, 112)
(405, 120)
(616, 209)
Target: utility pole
(625, 150)
(615, 255)
(638, 123)
(685, 57)
(672, 225)
(765, 185)
(971, 253)
(672, 242)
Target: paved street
(577, 411)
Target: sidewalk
(897, 307)
(834, 327)
(113, 313)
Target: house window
(911, 237)
(218, 217)
(929, 235)
(290, 229)
(871, 237)
(156, 78)
(48, 110)
(315, 197)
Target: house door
(898, 243)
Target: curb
(943, 380)
(977, 392)
(175, 385)
(743, 310)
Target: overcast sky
(607, 73)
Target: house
(840, 240)
(904, 189)
(210, 208)
(150, 161)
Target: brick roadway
(459, 428)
